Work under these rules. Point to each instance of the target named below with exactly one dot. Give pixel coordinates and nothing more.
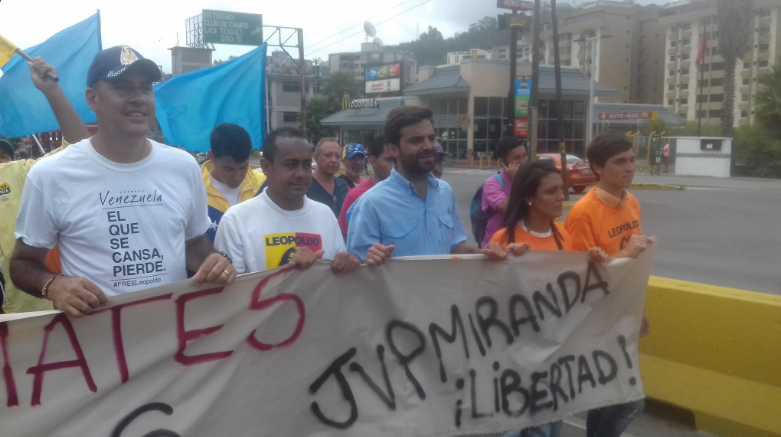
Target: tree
(337, 86)
(316, 111)
(735, 31)
(758, 152)
(433, 34)
(218, 61)
(768, 100)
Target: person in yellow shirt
(609, 217)
(227, 176)
(13, 174)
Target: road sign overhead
(222, 27)
(519, 5)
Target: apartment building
(684, 24)
(283, 91)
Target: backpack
(477, 216)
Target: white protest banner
(437, 347)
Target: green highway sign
(222, 27)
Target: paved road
(724, 232)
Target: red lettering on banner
(257, 304)
(80, 361)
(116, 331)
(8, 374)
(184, 336)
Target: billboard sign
(523, 91)
(222, 27)
(383, 86)
(383, 72)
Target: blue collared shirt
(392, 212)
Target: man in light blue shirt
(412, 212)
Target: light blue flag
(190, 105)
(23, 109)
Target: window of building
(684, 86)
(672, 72)
(716, 82)
(701, 114)
(574, 113)
(746, 81)
(684, 101)
(702, 99)
(671, 88)
(686, 42)
(715, 113)
(684, 71)
(764, 47)
(684, 57)
(672, 58)
(743, 114)
(291, 87)
(717, 66)
(764, 31)
(744, 98)
(488, 122)
(670, 102)
(717, 97)
(715, 35)
(290, 117)
(702, 83)
(672, 43)
(763, 63)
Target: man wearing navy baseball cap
(354, 164)
(127, 213)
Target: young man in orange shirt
(608, 217)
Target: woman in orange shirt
(535, 202)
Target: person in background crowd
(666, 154)
(382, 163)
(439, 163)
(412, 212)
(511, 155)
(226, 175)
(150, 200)
(354, 165)
(282, 225)
(327, 188)
(609, 217)
(13, 174)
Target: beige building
(684, 23)
(372, 55)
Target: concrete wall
(715, 351)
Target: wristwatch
(230, 260)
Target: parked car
(579, 172)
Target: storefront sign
(523, 91)
(364, 103)
(462, 121)
(522, 127)
(383, 86)
(628, 115)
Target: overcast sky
(151, 26)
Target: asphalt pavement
(724, 232)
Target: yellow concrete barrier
(716, 352)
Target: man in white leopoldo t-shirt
(127, 213)
(282, 225)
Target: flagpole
(100, 40)
(702, 77)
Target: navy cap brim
(5, 145)
(353, 154)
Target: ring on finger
(226, 272)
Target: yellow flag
(7, 50)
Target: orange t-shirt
(592, 222)
(535, 242)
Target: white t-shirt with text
(259, 235)
(122, 226)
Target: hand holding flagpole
(7, 50)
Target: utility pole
(535, 83)
(302, 70)
(559, 102)
(513, 75)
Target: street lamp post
(592, 40)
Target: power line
(359, 24)
(358, 33)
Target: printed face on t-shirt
(280, 248)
